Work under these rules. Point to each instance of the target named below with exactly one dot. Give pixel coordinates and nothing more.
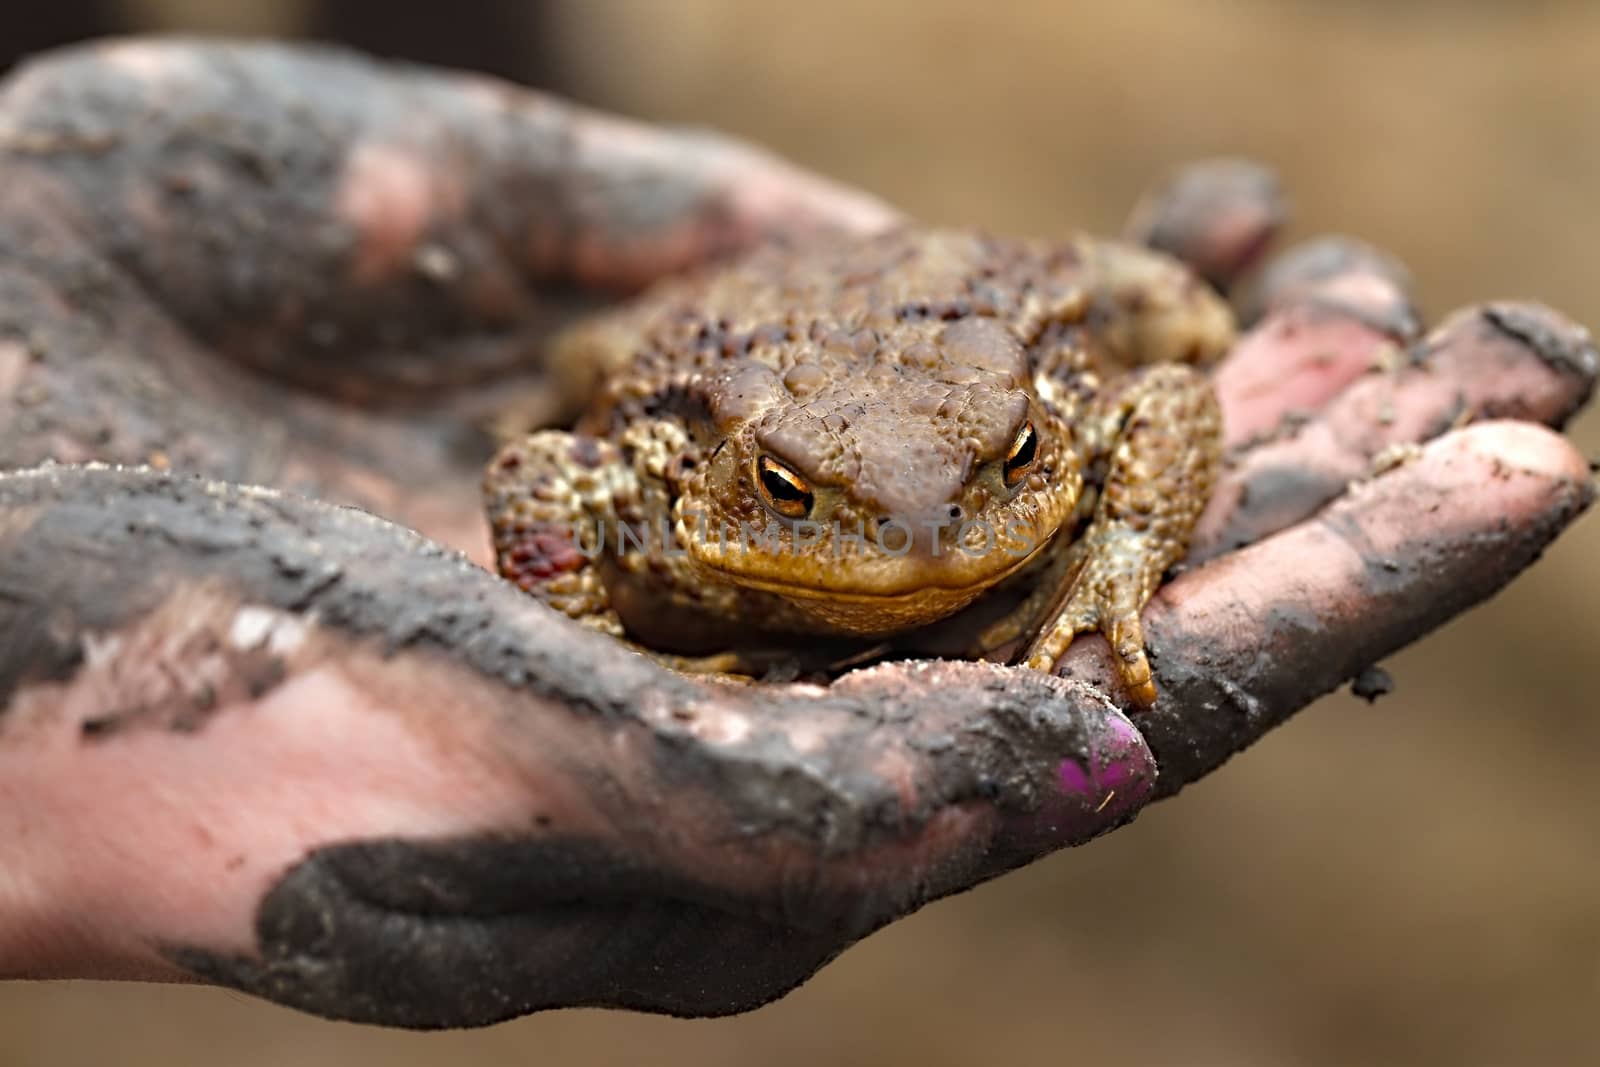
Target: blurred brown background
(1412, 883)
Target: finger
(1504, 360)
(1324, 311)
(1333, 309)
(754, 861)
(378, 230)
(293, 749)
(1241, 643)
(1339, 270)
(1218, 216)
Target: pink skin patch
(735, 194)
(146, 61)
(148, 835)
(14, 360)
(389, 197)
(1293, 361)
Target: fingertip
(1216, 215)
(769, 195)
(1566, 348)
(1053, 760)
(1343, 273)
(1503, 446)
(1103, 782)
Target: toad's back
(837, 308)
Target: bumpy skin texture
(953, 413)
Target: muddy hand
(299, 267)
(291, 748)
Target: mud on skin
(1503, 360)
(342, 937)
(354, 932)
(220, 163)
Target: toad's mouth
(899, 580)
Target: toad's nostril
(891, 530)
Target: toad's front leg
(556, 504)
(551, 497)
(1161, 432)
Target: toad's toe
(1126, 637)
(1049, 649)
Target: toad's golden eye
(783, 490)
(1024, 450)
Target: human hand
(254, 739)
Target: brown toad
(851, 440)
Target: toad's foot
(542, 493)
(1107, 597)
(732, 666)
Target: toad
(845, 442)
